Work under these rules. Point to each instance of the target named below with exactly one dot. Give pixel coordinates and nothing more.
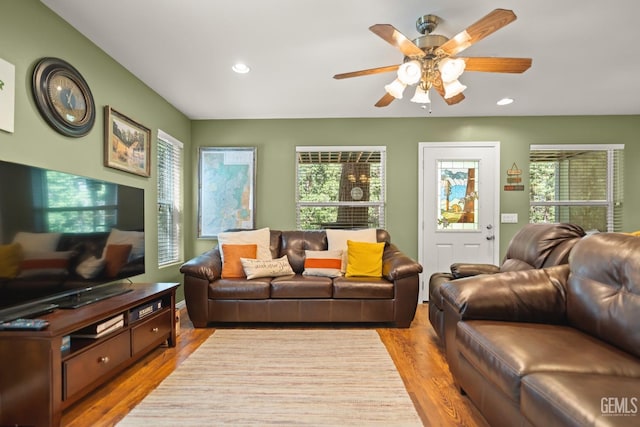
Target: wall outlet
(509, 218)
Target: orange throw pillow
(115, 257)
(231, 266)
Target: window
(70, 203)
(340, 187)
(581, 184)
(169, 199)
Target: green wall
(276, 140)
(30, 31)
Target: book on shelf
(90, 332)
(144, 310)
(108, 323)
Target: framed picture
(7, 95)
(127, 143)
(226, 187)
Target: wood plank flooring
(420, 362)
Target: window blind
(581, 184)
(340, 187)
(169, 199)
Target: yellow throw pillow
(10, 257)
(231, 265)
(364, 259)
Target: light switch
(509, 218)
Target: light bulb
(451, 69)
(395, 88)
(421, 96)
(410, 72)
(453, 88)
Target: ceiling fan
(430, 59)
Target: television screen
(61, 234)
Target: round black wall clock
(63, 97)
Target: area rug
(251, 377)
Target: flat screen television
(65, 240)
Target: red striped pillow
(323, 263)
(41, 263)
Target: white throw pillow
(254, 268)
(261, 237)
(90, 267)
(337, 240)
(37, 242)
(133, 238)
(322, 263)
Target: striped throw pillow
(323, 263)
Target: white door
(459, 203)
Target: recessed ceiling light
(241, 68)
(505, 101)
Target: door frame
(423, 294)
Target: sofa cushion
(10, 256)
(50, 263)
(231, 263)
(362, 288)
(323, 263)
(240, 289)
(364, 259)
(603, 289)
(580, 400)
(260, 237)
(337, 240)
(255, 268)
(505, 352)
(301, 287)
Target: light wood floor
(419, 360)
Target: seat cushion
(362, 288)
(299, 286)
(505, 352)
(579, 400)
(240, 288)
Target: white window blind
(340, 187)
(581, 184)
(169, 199)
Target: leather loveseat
(533, 246)
(558, 346)
(391, 298)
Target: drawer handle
(104, 360)
(155, 330)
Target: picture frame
(226, 189)
(7, 95)
(127, 143)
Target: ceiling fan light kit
(429, 60)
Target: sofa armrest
(460, 269)
(207, 266)
(536, 295)
(396, 265)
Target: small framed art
(127, 143)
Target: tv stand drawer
(151, 332)
(82, 370)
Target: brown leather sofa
(390, 299)
(533, 246)
(558, 346)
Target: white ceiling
(585, 54)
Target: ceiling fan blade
(491, 23)
(439, 87)
(367, 72)
(395, 38)
(385, 100)
(497, 65)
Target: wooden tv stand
(39, 381)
